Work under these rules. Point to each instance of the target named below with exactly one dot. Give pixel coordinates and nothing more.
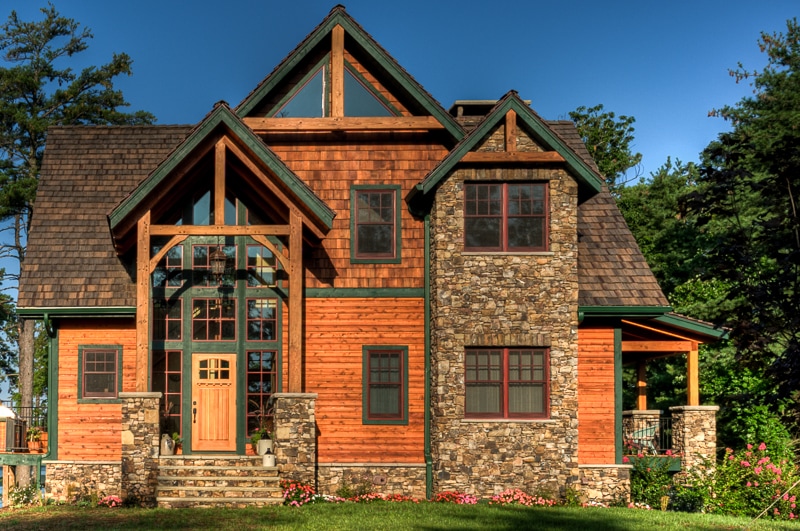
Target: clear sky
(664, 63)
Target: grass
(373, 516)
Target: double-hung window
(507, 382)
(385, 385)
(375, 224)
(510, 217)
(100, 371)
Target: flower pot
(264, 446)
(34, 447)
(268, 459)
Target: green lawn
(381, 515)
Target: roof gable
(539, 131)
(421, 103)
(221, 119)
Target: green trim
(397, 74)
(618, 395)
(534, 125)
(397, 258)
(621, 311)
(365, 350)
(690, 325)
(427, 404)
(100, 400)
(222, 116)
(24, 459)
(52, 398)
(334, 293)
(50, 312)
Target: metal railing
(647, 435)
(17, 428)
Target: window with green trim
(99, 371)
(262, 373)
(213, 319)
(375, 224)
(167, 378)
(385, 384)
(167, 319)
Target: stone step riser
(217, 503)
(212, 493)
(226, 462)
(267, 475)
(248, 483)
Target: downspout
(51, 452)
(427, 294)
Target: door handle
(194, 415)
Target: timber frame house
(433, 299)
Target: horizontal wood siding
(329, 169)
(596, 406)
(87, 431)
(336, 331)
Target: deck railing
(16, 439)
(647, 435)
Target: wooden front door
(213, 402)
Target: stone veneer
(296, 436)
(504, 300)
(70, 480)
(384, 478)
(694, 434)
(140, 446)
(605, 483)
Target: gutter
(427, 377)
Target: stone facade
(384, 478)
(504, 300)
(69, 481)
(605, 483)
(694, 434)
(296, 436)
(140, 446)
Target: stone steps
(216, 481)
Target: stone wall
(694, 434)
(140, 447)
(296, 436)
(605, 483)
(385, 478)
(70, 481)
(504, 300)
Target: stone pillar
(694, 434)
(296, 436)
(140, 442)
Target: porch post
(296, 436)
(295, 303)
(694, 434)
(641, 385)
(693, 376)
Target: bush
(650, 480)
(21, 496)
(297, 494)
(451, 496)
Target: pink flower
(730, 458)
(749, 446)
(749, 484)
(755, 484)
(626, 460)
(669, 453)
(762, 446)
(757, 470)
(745, 464)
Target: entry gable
(520, 121)
(340, 79)
(256, 167)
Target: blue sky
(664, 63)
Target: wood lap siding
(596, 405)
(336, 330)
(91, 431)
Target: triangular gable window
(312, 98)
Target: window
(261, 267)
(507, 383)
(505, 217)
(99, 371)
(167, 319)
(213, 319)
(201, 265)
(262, 319)
(169, 271)
(261, 380)
(375, 224)
(385, 385)
(167, 379)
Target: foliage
(518, 497)
(176, 438)
(296, 494)
(608, 140)
(451, 496)
(33, 434)
(650, 480)
(27, 495)
(353, 487)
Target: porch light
(218, 261)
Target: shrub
(110, 501)
(518, 497)
(650, 480)
(296, 494)
(451, 496)
(21, 496)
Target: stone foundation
(694, 434)
(296, 436)
(394, 478)
(140, 446)
(605, 483)
(69, 481)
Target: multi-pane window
(213, 319)
(167, 319)
(262, 368)
(261, 267)
(201, 264)
(99, 373)
(169, 271)
(505, 216)
(167, 378)
(375, 224)
(262, 315)
(507, 382)
(384, 385)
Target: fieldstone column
(694, 434)
(296, 436)
(140, 442)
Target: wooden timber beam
(219, 184)
(142, 301)
(693, 378)
(658, 346)
(175, 240)
(641, 385)
(501, 157)
(343, 123)
(337, 71)
(296, 303)
(511, 131)
(219, 230)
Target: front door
(213, 402)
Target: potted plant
(261, 438)
(34, 438)
(178, 440)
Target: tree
(36, 92)
(608, 140)
(747, 204)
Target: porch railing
(26, 418)
(647, 435)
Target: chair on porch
(644, 440)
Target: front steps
(216, 481)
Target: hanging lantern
(218, 261)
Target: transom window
(213, 319)
(385, 384)
(99, 373)
(505, 216)
(507, 383)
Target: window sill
(509, 421)
(508, 253)
(90, 400)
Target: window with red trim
(167, 379)
(167, 319)
(506, 216)
(507, 383)
(375, 232)
(213, 319)
(385, 398)
(262, 372)
(262, 319)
